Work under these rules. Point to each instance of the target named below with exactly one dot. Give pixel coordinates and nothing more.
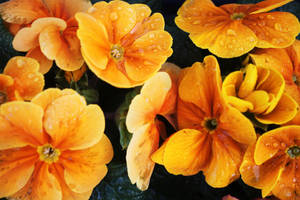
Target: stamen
(48, 154)
(293, 151)
(116, 52)
(237, 16)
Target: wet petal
(142, 11)
(19, 130)
(5, 82)
(267, 5)
(285, 111)
(84, 169)
(226, 158)
(187, 152)
(45, 63)
(237, 126)
(16, 167)
(249, 82)
(273, 30)
(144, 142)
(260, 101)
(27, 79)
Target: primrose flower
(121, 43)
(59, 152)
(21, 80)
(212, 134)
(158, 97)
(261, 92)
(232, 30)
(272, 164)
(287, 62)
(50, 30)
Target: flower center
(3, 98)
(48, 154)
(296, 79)
(237, 16)
(293, 151)
(211, 124)
(116, 52)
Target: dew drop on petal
(113, 16)
(20, 63)
(196, 22)
(278, 27)
(270, 17)
(231, 32)
(275, 144)
(30, 76)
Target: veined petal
(187, 152)
(273, 30)
(267, 5)
(84, 169)
(17, 167)
(45, 63)
(144, 142)
(142, 11)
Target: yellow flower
(212, 134)
(21, 79)
(142, 122)
(52, 148)
(232, 30)
(260, 91)
(121, 43)
(272, 164)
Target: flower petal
(226, 157)
(42, 185)
(249, 82)
(45, 63)
(237, 126)
(187, 152)
(144, 142)
(267, 5)
(285, 111)
(17, 129)
(16, 166)
(28, 81)
(84, 169)
(260, 100)
(5, 82)
(273, 30)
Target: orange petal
(144, 142)
(42, 185)
(22, 12)
(84, 169)
(205, 79)
(19, 130)
(146, 55)
(28, 81)
(94, 40)
(263, 176)
(5, 82)
(226, 158)
(249, 82)
(158, 155)
(17, 166)
(285, 111)
(267, 5)
(45, 63)
(233, 123)
(273, 30)
(260, 100)
(187, 152)
(142, 11)
(27, 38)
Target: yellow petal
(267, 5)
(45, 63)
(260, 101)
(249, 82)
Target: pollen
(237, 16)
(117, 52)
(48, 154)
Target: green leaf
(120, 118)
(91, 95)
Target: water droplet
(30, 76)
(113, 16)
(267, 144)
(231, 32)
(275, 144)
(261, 17)
(278, 27)
(196, 22)
(36, 79)
(282, 144)
(294, 180)
(92, 9)
(20, 63)
(119, 8)
(151, 35)
(261, 23)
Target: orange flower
(261, 92)
(213, 134)
(75, 75)
(50, 33)
(287, 62)
(142, 122)
(121, 43)
(272, 165)
(20, 80)
(59, 152)
(232, 30)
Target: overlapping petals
(287, 62)
(146, 128)
(21, 79)
(56, 153)
(213, 134)
(232, 30)
(272, 163)
(122, 44)
(261, 92)
(46, 30)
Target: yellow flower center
(293, 151)
(3, 98)
(48, 154)
(211, 124)
(237, 16)
(116, 52)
